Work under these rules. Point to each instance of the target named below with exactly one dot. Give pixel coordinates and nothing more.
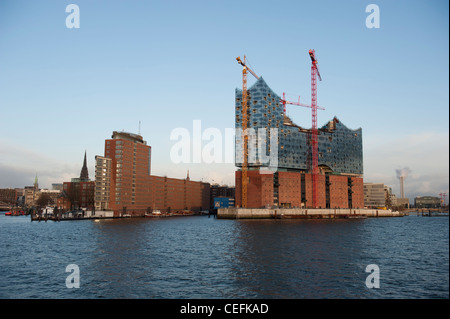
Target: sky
(151, 67)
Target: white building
(374, 195)
(102, 182)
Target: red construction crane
(314, 145)
(284, 101)
(244, 127)
(314, 107)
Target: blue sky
(168, 63)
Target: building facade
(374, 195)
(280, 161)
(9, 196)
(79, 192)
(222, 191)
(102, 182)
(132, 188)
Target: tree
(44, 200)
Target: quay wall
(281, 213)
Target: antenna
(139, 128)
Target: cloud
(19, 167)
(404, 172)
(422, 158)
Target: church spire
(84, 175)
(36, 185)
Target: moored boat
(15, 213)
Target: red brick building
(294, 189)
(79, 192)
(134, 191)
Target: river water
(200, 257)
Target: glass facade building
(273, 134)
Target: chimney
(402, 190)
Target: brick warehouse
(289, 184)
(124, 183)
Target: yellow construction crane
(244, 127)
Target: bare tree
(44, 200)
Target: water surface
(201, 257)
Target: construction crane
(284, 101)
(314, 145)
(244, 127)
(314, 132)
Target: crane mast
(314, 140)
(244, 128)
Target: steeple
(84, 175)
(36, 185)
(187, 178)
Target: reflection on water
(201, 257)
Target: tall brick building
(127, 186)
(279, 169)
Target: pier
(299, 213)
(429, 212)
(80, 215)
(99, 215)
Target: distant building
(374, 195)
(403, 202)
(30, 196)
(53, 194)
(221, 191)
(79, 192)
(9, 196)
(427, 202)
(57, 186)
(391, 198)
(31, 193)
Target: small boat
(14, 213)
(155, 213)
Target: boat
(15, 213)
(155, 213)
(184, 213)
